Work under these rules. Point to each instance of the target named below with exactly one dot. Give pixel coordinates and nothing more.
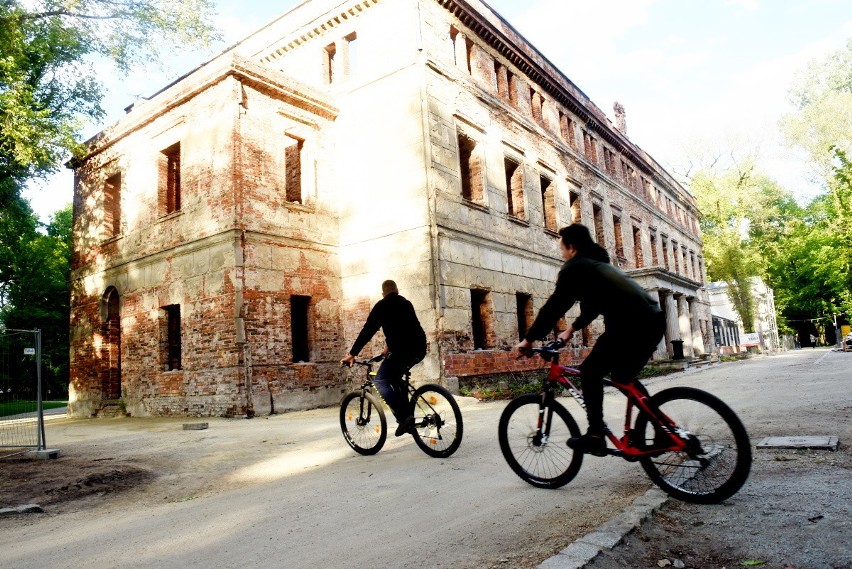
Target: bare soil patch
(62, 481)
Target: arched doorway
(111, 350)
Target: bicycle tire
(438, 427)
(721, 461)
(544, 462)
(363, 422)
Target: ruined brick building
(232, 231)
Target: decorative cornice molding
(303, 36)
(555, 83)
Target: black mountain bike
(437, 427)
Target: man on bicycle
(406, 346)
(634, 323)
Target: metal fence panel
(21, 412)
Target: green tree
(48, 82)
(744, 215)
(34, 283)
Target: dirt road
(286, 491)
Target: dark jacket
(601, 289)
(395, 315)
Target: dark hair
(389, 287)
(579, 236)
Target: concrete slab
(47, 453)
(194, 426)
(827, 442)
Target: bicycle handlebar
(548, 350)
(367, 362)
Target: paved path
(286, 491)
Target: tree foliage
(48, 81)
(822, 96)
(51, 56)
(34, 283)
(744, 214)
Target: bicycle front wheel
(438, 426)
(717, 460)
(362, 420)
(538, 452)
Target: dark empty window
(525, 313)
(172, 342)
(481, 319)
(299, 320)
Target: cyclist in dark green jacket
(406, 346)
(634, 323)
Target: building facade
(231, 232)
(728, 328)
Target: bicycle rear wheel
(717, 460)
(438, 426)
(362, 420)
(539, 455)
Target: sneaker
(588, 443)
(405, 426)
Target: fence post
(42, 443)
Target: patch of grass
(16, 407)
(501, 385)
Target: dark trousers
(621, 354)
(389, 382)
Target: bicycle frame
(637, 401)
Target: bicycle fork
(542, 432)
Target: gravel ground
(795, 511)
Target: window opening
(171, 182)
(293, 168)
(638, 256)
(172, 340)
(514, 188)
(470, 169)
(299, 327)
(525, 313)
(480, 308)
(548, 202)
(112, 205)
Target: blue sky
(695, 77)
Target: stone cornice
(316, 29)
(228, 65)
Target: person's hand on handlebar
(348, 360)
(566, 334)
(524, 348)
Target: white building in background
(726, 318)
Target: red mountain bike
(689, 442)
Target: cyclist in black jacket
(406, 346)
(634, 323)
